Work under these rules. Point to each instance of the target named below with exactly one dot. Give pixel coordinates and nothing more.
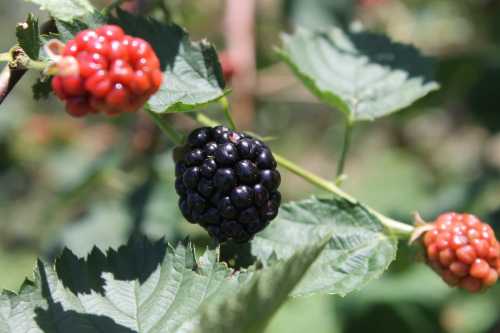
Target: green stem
(401, 229)
(202, 119)
(165, 127)
(33, 64)
(345, 148)
(227, 113)
(19, 60)
(5, 57)
(312, 178)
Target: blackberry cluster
(228, 183)
(464, 251)
(113, 72)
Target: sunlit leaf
(251, 309)
(358, 251)
(364, 75)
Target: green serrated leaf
(364, 75)
(358, 251)
(68, 30)
(28, 36)
(65, 10)
(192, 73)
(141, 287)
(251, 309)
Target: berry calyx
(227, 182)
(463, 251)
(105, 71)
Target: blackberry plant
(227, 181)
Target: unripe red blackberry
(227, 182)
(106, 71)
(463, 250)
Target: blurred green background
(76, 183)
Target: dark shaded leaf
(193, 76)
(28, 36)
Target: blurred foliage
(78, 182)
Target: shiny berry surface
(116, 73)
(228, 183)
(464, 251)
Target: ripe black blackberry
(227, 182)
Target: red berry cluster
(115, 72)
(464, 251)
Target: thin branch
(165, 127)
(15, 70)
(5, 57)
(19, 63)
(227, 113)
(345, 148)
(8, 80)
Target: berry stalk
(227, 113)
(26, 63)
(165, 127)
(397, 228)
(5, 57)
(19, 60)
(345, 149)
(400, 229)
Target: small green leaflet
(65, 10)
(364, 75)
(28, 36)
(192, 73)
(359, 249)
